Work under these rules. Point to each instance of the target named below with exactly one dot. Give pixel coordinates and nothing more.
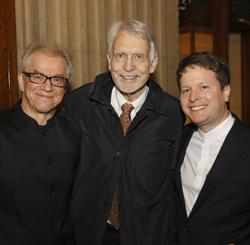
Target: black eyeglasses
(40, 78)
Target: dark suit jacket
(138, 163)
(221, 214)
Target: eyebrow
(57, 75)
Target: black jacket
(138, 163)
(221, 213)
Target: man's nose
(47, 85)
(129, 63)
(194, 95)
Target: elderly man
(130, 127)
(212, 181)
(39, 154)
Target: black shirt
(37, 169)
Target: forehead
(46, 60)
(196, 74)
(128, 41)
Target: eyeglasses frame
(29, 74)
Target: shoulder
(161, 95)
(164, 102)
(5, 116)
(87, 89)
(79, 96)
(9, 122)
(66, 125)
(79, 92)
(239, 129)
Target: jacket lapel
(99, 131)
(143, 112)
(183, 144)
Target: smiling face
(40, 100)
(202, 98)
(129, 64)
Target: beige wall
(235, 68)
(80, 25)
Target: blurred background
(179, 26)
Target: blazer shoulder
(239, 131)
(165, 102)
(84, 89)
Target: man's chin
(129, 92)
(45, 110)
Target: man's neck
(40, 118)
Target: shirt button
(44, 132)
(51, 224)
(52, 191)
(49, 161)
(119, 154)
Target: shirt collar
(220, 131)
(117, 100)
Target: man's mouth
(197, 108)
(128, 76)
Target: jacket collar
(101, 93)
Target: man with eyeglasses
(39, 154)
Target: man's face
(40, 100)
(129, 65)
(202, 98)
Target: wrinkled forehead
(130, 43)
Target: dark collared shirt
(37, 169)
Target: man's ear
(20, 82)
(109, 61)
(153, 65)
(226, 93)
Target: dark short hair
(207, 61)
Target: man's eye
(120, 56)
(184, 91)
(37, 77)
(139, 57)
(57, 79)
(204, 87)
